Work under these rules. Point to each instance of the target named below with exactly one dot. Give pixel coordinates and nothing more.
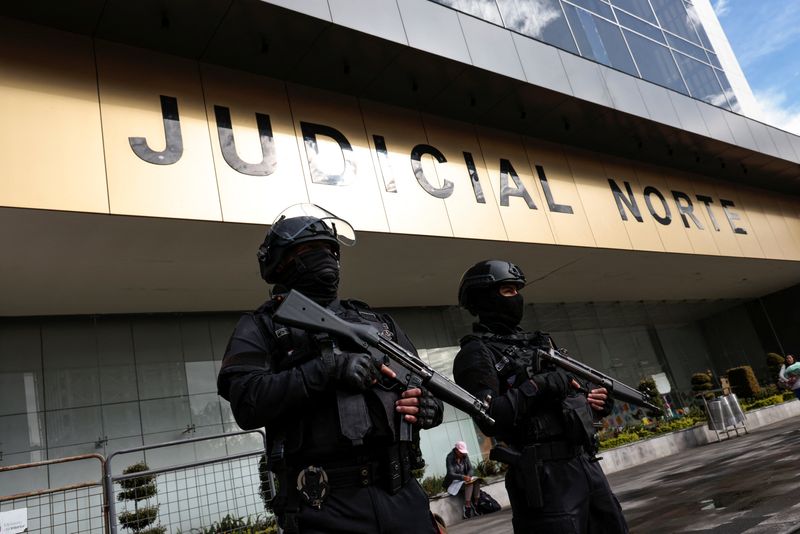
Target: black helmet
(297, 224)
(488, 273)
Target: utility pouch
(526, 467)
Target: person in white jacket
(790, 381)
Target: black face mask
(495, 309)
(315, 274)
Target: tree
(138, 489)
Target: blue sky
(765, 36)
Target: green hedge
(743, 382)
(632, 434)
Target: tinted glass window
(639, 25)
(484, 9)
(595, 6)
(695, 20)
(726, 86)
(540, 19)
(673, 17)
(600, 40)
(686, 47)
(640, 8)
(655, 62)
(712, 57)
(701, 80)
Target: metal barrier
(219, 494)
(72, 508)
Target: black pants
(577, 500)
(369, 510)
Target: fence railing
(208, 495)
(223, 492)
(66, 508)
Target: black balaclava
(493, 309)
(314, 273)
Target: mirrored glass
(595, 6)
(165, 379)
(115, 354)
(165, 415)
(655, 62)
(71, 387)
(640, 8)
(483, 9)
(673, 17)
(201, 377)
(599, 40)
(205, 409)
(22, 433)
(728, 90)
(73, 426)
(24, 480)
(703, 85)
(687, 48)
(20, 392)
(121, 420)
(714, 60)
(694, 19)
(540, 19)
(640, 26)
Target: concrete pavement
(745, 485)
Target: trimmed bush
(774, 362)
(760, 403)
(139, 520)
(648, 387)
(702, 383)
(743, 382)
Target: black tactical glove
(430, 412)
(553, 384)
(347, 370)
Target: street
(745, 485)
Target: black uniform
(554, 484)
(274, 377)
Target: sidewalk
(745, 485)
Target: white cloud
(721, 7)
(777, 111)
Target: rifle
(616, 389)
(300, 311)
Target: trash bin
(725, 413)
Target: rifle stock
(616, 389)
(300, 311)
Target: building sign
(168, 139)
(14, 521)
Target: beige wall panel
(247, 197)
(608, 228)
(770, 205)
(673, 236)
(789, 210)
(131, 84)
(468, 217)
(643, 235)
(749, 243)
(751, 203)
(410, 209)
(568, 228)
(522, 223)
(702, 240)
(51, 144)
(357, 196)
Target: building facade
(608, 148)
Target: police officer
(543, 415)
(332, 416)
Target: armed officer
(543, 415)
(332, 416)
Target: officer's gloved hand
(430, 412)
(355, 371)
(553, 383)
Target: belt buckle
(312, 484)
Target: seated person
(460, 474)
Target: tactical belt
(556, 450)
(357, 476)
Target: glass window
(694, 18)
(686, 47)
(702, 83)
(713, 59)
(673, 17)
(728, 90)
(541, 19)
(595, 6)
(483, 9)
(655, 62)
(640, 26)
(640, 8)
(600, 40)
